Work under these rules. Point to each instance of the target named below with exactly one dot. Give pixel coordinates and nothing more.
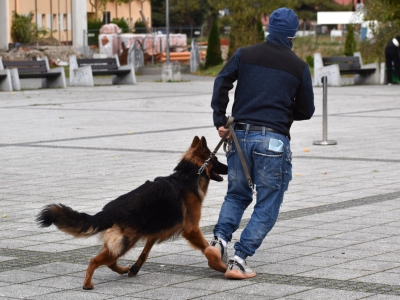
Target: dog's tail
(70, 221)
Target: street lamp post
(167, 21)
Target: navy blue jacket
(274, 86)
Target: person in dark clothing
(274, 88)
(392, 58)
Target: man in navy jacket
(274, 88)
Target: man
(392, 57)
(274, 88)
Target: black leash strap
(227, 146)
(242, 160)
(208, 161)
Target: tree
(213, 56)
(245, 17)
(260, 30)
(181, 12)
(383, 10)
(350, 43)
(246, 14)
(385, 25)
(307, 9)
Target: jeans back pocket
(269, 167)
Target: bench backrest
(344, 62)
(99, 63)
(27, 66)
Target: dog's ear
(195, 142)
(204, 143)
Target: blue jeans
(271, 171)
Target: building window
(55, 25)
(65, 21)
(44, 24)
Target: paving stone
(73, 295)
(328, 294)
(336, 236)
(21, 291)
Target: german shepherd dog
(155, 211)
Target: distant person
(392, 57)
(274, 88)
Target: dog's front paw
(133, 270)
(90, 286)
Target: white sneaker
(237, 270)
(217, 255)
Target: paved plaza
(337, 236)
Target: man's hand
(221, 131)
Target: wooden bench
(52, 78)
(337, 70)
(82, 71)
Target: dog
(155, 211)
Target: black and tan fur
(154, 212)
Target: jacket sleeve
(304, 102)
(222, 85)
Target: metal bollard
(325, 141)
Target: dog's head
(200, 150)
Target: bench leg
(82, 77)
(16, 83)
(5, 83)
(383, 79)
(58, 81)
(318, 65)
(128, 78)
(373, 78)
(333, 74)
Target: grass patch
(211, 71)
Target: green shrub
(140, 27)
(94, 28)
(41, 33)
(372, 51)
(350, 43)
(22, 28)
(214, 55)
(310, 61)
(121, 23)
(260, 31)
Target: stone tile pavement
(337, 236)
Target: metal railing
(136, 55)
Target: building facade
(57, 16)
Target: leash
(227, 148)
(208, 161)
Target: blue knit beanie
(283, 21)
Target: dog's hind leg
(142, 257)
(127, 242)
(103, 258)
(117, 268)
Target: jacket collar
(280, 40)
